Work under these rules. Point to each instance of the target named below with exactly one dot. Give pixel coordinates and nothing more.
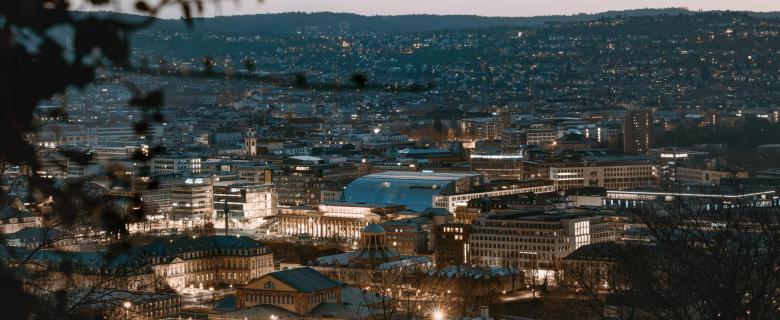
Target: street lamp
(438, 314)
(127, 306)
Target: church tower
(250, 141)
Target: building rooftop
(415, 190)
(544, 215)
(305, 279)
(373, 228)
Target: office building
(615, 176)
(192, 199)
(535, 240)
(245, 201)
(452, 244)
(498, 166)
(637, 132)
(300, 180)
(175, 165)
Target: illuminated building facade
(613, 177)
(498, 166)
(332, 220)
(534, 239)
(245, 201)
(637, 131)
(452, 244)
(210, 261)
(192, 199)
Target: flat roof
(414, 175)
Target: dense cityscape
(623, 165)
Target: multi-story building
(209, 261)
(254, 173)
(125, 134)
(512, 140)
(193, 199)
(704, 197)
(452, 244)
(535, 240)
(539, 134)
(175, 165)
(408, 236)
(244, 201)
(611, 176)
(479, 128)
(498, 166)
(705, 176)
(452, 202)
(124, 305)
(300, 180)
(637, 131)
(115, 151)
(422, 190)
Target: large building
(244, 201)
(708, 198)
(614, 176)
(452, 202)
(208, 261)
(175, 165)
(705, 176)
(300, 180)
(637, 132)
(298, 290)
(332, 220)
(498, 166)
(534, 240)
(421, 190)
(192, 199)
(452, 244)
(415, 190)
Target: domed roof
(392, 153)
(373, 228)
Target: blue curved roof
(415, 190)
(373, 228)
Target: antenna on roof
(226, 217)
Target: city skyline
(489, 8)
(619, 165)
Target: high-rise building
(637, 131)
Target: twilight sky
(476, 7)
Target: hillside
(287, 23)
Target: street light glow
(438, 314)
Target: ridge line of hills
(287, 23)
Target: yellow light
(438, 314)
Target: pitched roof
(305, 279)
